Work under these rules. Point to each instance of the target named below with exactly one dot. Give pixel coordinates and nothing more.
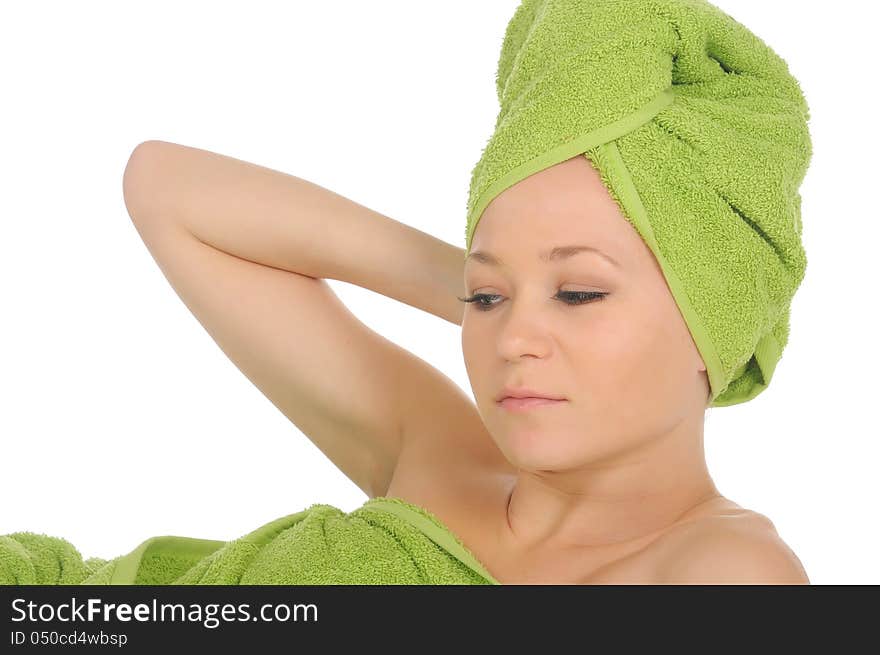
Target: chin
(535, 450)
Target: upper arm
(734, 555)
(338, 381)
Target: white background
(122, 419)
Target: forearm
(284, 221)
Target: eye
(568, 297)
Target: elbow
(141, 187)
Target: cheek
(613, 350)
(475, 352)
(631, 387)
(633, 358)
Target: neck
(629, 497)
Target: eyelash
(583, 297)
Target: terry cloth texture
(699, 132)
(385, 541)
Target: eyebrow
(555, 254)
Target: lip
(527, 404)
(524, 392)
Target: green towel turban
(699, 132)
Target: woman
(582, 282)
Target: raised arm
(280, 220)
(246, 248)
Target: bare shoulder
(735, 548)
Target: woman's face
(625, 361)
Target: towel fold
(385, 541)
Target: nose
(523, 333)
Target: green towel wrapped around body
(385, 541)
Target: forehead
(563, 204)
